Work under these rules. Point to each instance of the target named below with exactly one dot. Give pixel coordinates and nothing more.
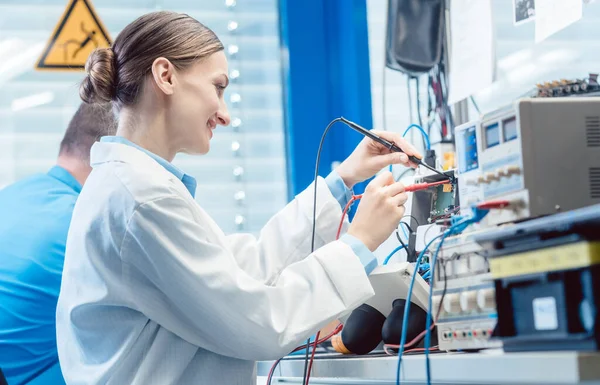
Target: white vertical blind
(242, 181)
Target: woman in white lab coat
(153, 292)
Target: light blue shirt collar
(188, 181)
(65, 177)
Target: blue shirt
(334, 182)
(36, 213)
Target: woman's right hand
(379, 212)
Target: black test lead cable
(314, 224)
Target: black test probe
(391, 146)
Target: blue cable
(387, 259)
(460, 225)
(430, 306)
(425, 136)
(407, 310)
(404, 231)
(456, 228)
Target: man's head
(90, 123)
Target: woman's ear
(163, 73)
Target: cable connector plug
(494, 204)
(459, 222)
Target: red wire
(352, 200)
(493, 204)
(272, 370)
(413, 342)
(339, 327)
(301, 347)
(312, 357)
(336, 331)
(431, 349)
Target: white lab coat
(153, 292)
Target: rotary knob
(452, 303)
(486, 299)
(468, 301)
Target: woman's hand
(379, 211)
(370, 157)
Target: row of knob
(467, 301)
(492, 176)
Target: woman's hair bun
(99, 84)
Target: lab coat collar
(65, 177)
(116, 151)
(188, 181)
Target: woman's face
(198, 105)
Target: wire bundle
(459, 224)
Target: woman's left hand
(370, 157)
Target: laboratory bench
(492, 367)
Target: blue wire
(424, 266)
(430, 306)
(404, 231)
(460, 226)
(409, 295)
(425, 136)
(407, 310)
(387, 259)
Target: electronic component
(564, 87)
(547, 274)
(438, 201)
(430, 206)
(518, 153)
(465, 290)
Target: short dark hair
(90, 123)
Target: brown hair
(117, 74)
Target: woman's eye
(220, 88)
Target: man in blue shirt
(36, 213)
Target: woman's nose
(223, 117)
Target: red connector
(424, 186)
(495, 204)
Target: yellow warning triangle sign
(78, 33)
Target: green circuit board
(443, 202)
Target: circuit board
(430, 207)
(443, 202)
